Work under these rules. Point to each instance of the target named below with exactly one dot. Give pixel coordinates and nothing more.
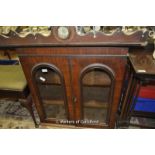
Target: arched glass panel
(50, 86)
(97, 88)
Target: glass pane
(96, 88)
(51, 92)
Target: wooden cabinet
(75, 75)
(75, 85)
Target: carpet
(14, 116)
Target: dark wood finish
(117, 65)
(71, 56)
(29, 62)
(58, 78)
(141, 71)
(71, 61)
(143, 61)
(117, 39)
(73, 51)
(143, 114)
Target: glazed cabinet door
(97, 83)
(49, 82)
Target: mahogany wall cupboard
(79, 86)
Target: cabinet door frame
(29, 62)
(57, 70)
(116, 65)
(112, 77)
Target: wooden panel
(29, 62)
(76, 58)
(69, 51)
(118, 39)
(118, 67)
(143, 62)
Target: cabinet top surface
(143, 63)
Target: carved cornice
(78, 35)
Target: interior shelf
(95, 104)
(96, 78)
(96, 85)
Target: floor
(13, 116)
